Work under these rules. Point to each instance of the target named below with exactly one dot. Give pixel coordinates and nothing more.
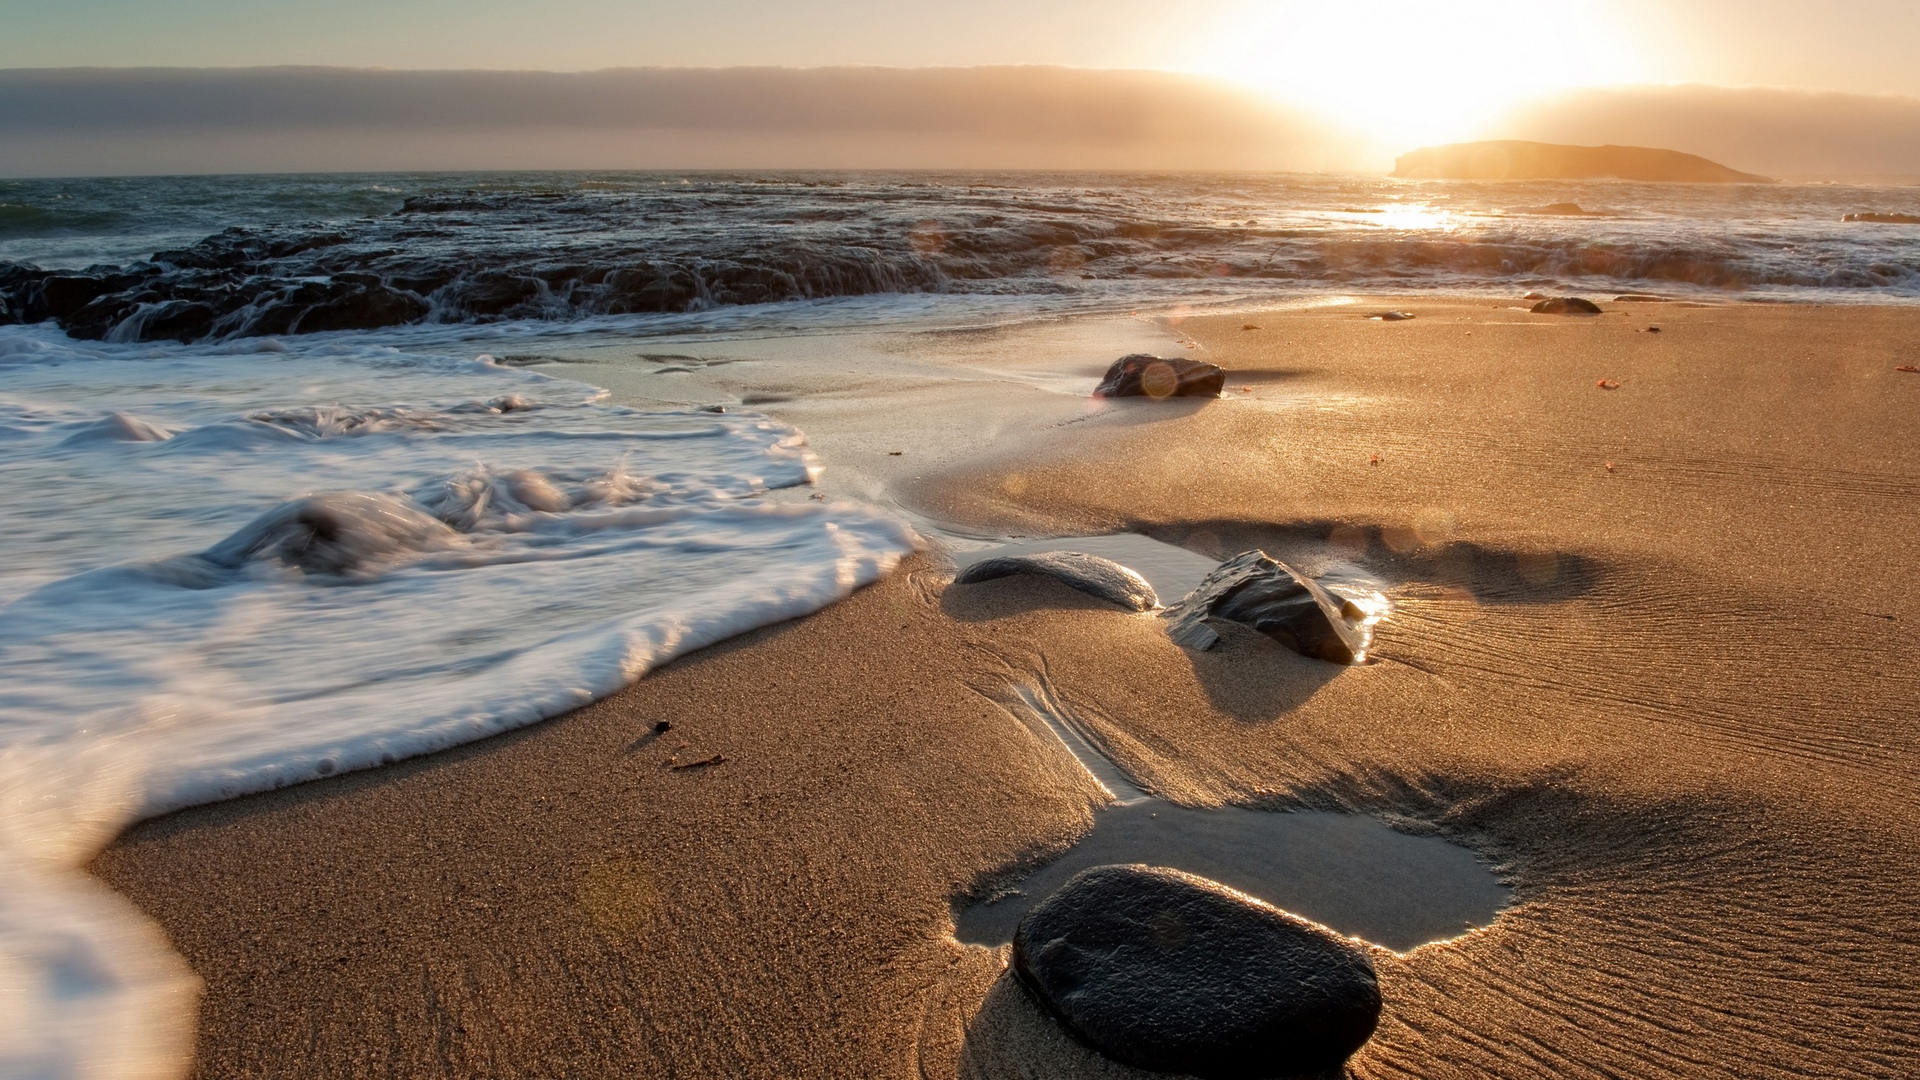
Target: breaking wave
(227, 571)
(519, 248)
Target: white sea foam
(231, 569)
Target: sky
(1405, 72)
(1855, 45)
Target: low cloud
(114, 121)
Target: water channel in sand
(1351, 872)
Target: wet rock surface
(1566, 305)
(1278, 601)
(1143, 375)
(1090, 574)
(1170, 972)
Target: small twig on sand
(714, 760)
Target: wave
(569, 248)
(230, 577)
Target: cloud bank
(1791, 134)
(93, 121)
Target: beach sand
(1672, 701)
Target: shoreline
(1647, 701)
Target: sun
(1415, 72)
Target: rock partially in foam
(348, 533)
(1566, 305)
(1276, 600)
(1090, 574)
(1175, 973)
(1143, 375)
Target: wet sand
(1673, 702)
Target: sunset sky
(1398, 73)
(1363, 57)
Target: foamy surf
(229, 570)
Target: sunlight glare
(1408, 73)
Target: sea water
(231, 568)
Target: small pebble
(662, 728)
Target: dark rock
(662, 727)
(63, 294)
(1276, 600)
(96, 320)
(1141, 375)
(1091, 574)
(1566, 305)
(1170, 972)
(645, 288)
(492, 292)
(179, 320)
(361, 307)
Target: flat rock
(1091, 574)
(1566, 305)
(1142, 375)
(1884, 219)
(1276, 600)
(1392, 316)
(1167, 971)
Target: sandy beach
(1651, 657)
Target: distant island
(1516, 160)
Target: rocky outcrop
(1170, 972)
(1142, 375)
(1276, 600)
(1516, 160)
(1090, 574)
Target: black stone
(1276, 600)
(1167, 971)
(361, 307)
(1141, 375)
(1566, 305)
(179, 320)
(1091, 574)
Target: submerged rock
(1142, 375)
(1091, 574)
(1276, 600)
(1566, 305)
(1175, 973)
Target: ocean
(283, 503)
